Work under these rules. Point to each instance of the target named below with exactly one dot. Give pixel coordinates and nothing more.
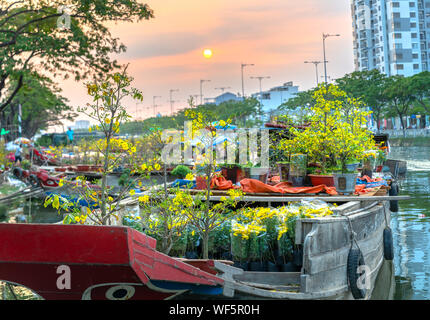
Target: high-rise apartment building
(391, 35)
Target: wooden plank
(269, 278)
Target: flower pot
(60, 169)
(352, 166)
(289, 267)
(241, 265)
(258, 266)
(83, 168)
(298, 181)
(298, 165)
(234, 174)
(345, 182)
(96, 168)
(201, 183)
(318, 180)
(259, 174)
(284, 171)
(271, 267)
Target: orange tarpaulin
(256, 186)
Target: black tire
(34, 181)
(394, 191)
(17, 172)
(355, 259)
(388, 244)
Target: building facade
(273, 98)
(227, 96)
(392, 36)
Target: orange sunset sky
(276, 35)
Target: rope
(352, 235)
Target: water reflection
(411, 226)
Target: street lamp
(261, 92)
(328, 78)
(243, 65)
(316, 63)
(325, 36)
(137, 103)
(171, 100)
(154, 105)
(222, 89)
(260, 79)
(201, 90)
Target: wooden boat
(114, 263)
(122, 263)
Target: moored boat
(122, 263)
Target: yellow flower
(132, 192)
(144, 198)
(107, 120)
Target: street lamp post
(154, 105)
(260, 79)
(328, 78)
(325, 36)
(316, 63)
(222, 89)
(137, 113)
(171, 100)
(201, 90)
(243, 65)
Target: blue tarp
(182, 183)
(372, 184)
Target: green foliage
(239, 112)
(181, 171)
(30, 39)
(42, 105)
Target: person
(18, 154)
(70, 135)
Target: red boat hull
(104, 263)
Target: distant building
(392, 36)
(81, 125)
(227, 96)
(276, 96)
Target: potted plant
(181, 171)
(298, 165)
(256, 172)
(283, 170)
(352, 164)
(232, 172)
(319, 177)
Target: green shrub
(181, 171)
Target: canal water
(411, 226)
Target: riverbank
(410, 142)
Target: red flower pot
(83, 168)
(60, 169)
(318, 180)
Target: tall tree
(369, 87)
(62, 37)
(41, 103)
(421, 89)
(400, 97)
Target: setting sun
(208, 53)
